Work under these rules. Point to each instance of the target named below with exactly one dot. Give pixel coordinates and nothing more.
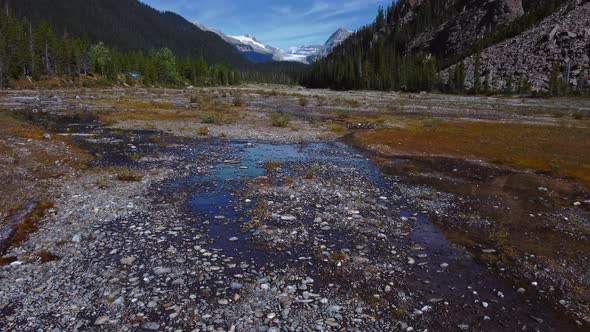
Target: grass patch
(343, 114)
(540, 147)
(212, 119)
(149, 115)
(219, 117)
(303, 101)
(311, 172)
(195, 99)
(320, 101)
(271, 166)
(126, 174)
(281, 120)
(204, 131)
(142, 105)
(46, 256)
(238, 101)
(337, 128)
(348, 102)
(13, 123)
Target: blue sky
(278, 23)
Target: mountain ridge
(259, 52)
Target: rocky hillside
(468, 21)
(562, 39)
(413, 41)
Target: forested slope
(127, 25)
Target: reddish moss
(7, 260)
(553, 149)
(46, 256)
(32, 223)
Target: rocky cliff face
(470, 21)
(562, 38)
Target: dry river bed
(255, 235)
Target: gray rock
(288, 218)
(235, 285)
(150, 326)
(128, 260)
(162, 270)
(102, 320)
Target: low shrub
(280, 120)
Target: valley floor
(269, 208)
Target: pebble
(162, 270)
(150, 326)
(235, 285)
(128, 260)
(102, 320)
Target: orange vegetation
(559, 150)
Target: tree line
(36, 52)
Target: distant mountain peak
(341, 31)
(258, 52)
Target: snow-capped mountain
(250, 47)
(335, 39)
(316, 52)
(258, 52)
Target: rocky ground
(284, 229)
